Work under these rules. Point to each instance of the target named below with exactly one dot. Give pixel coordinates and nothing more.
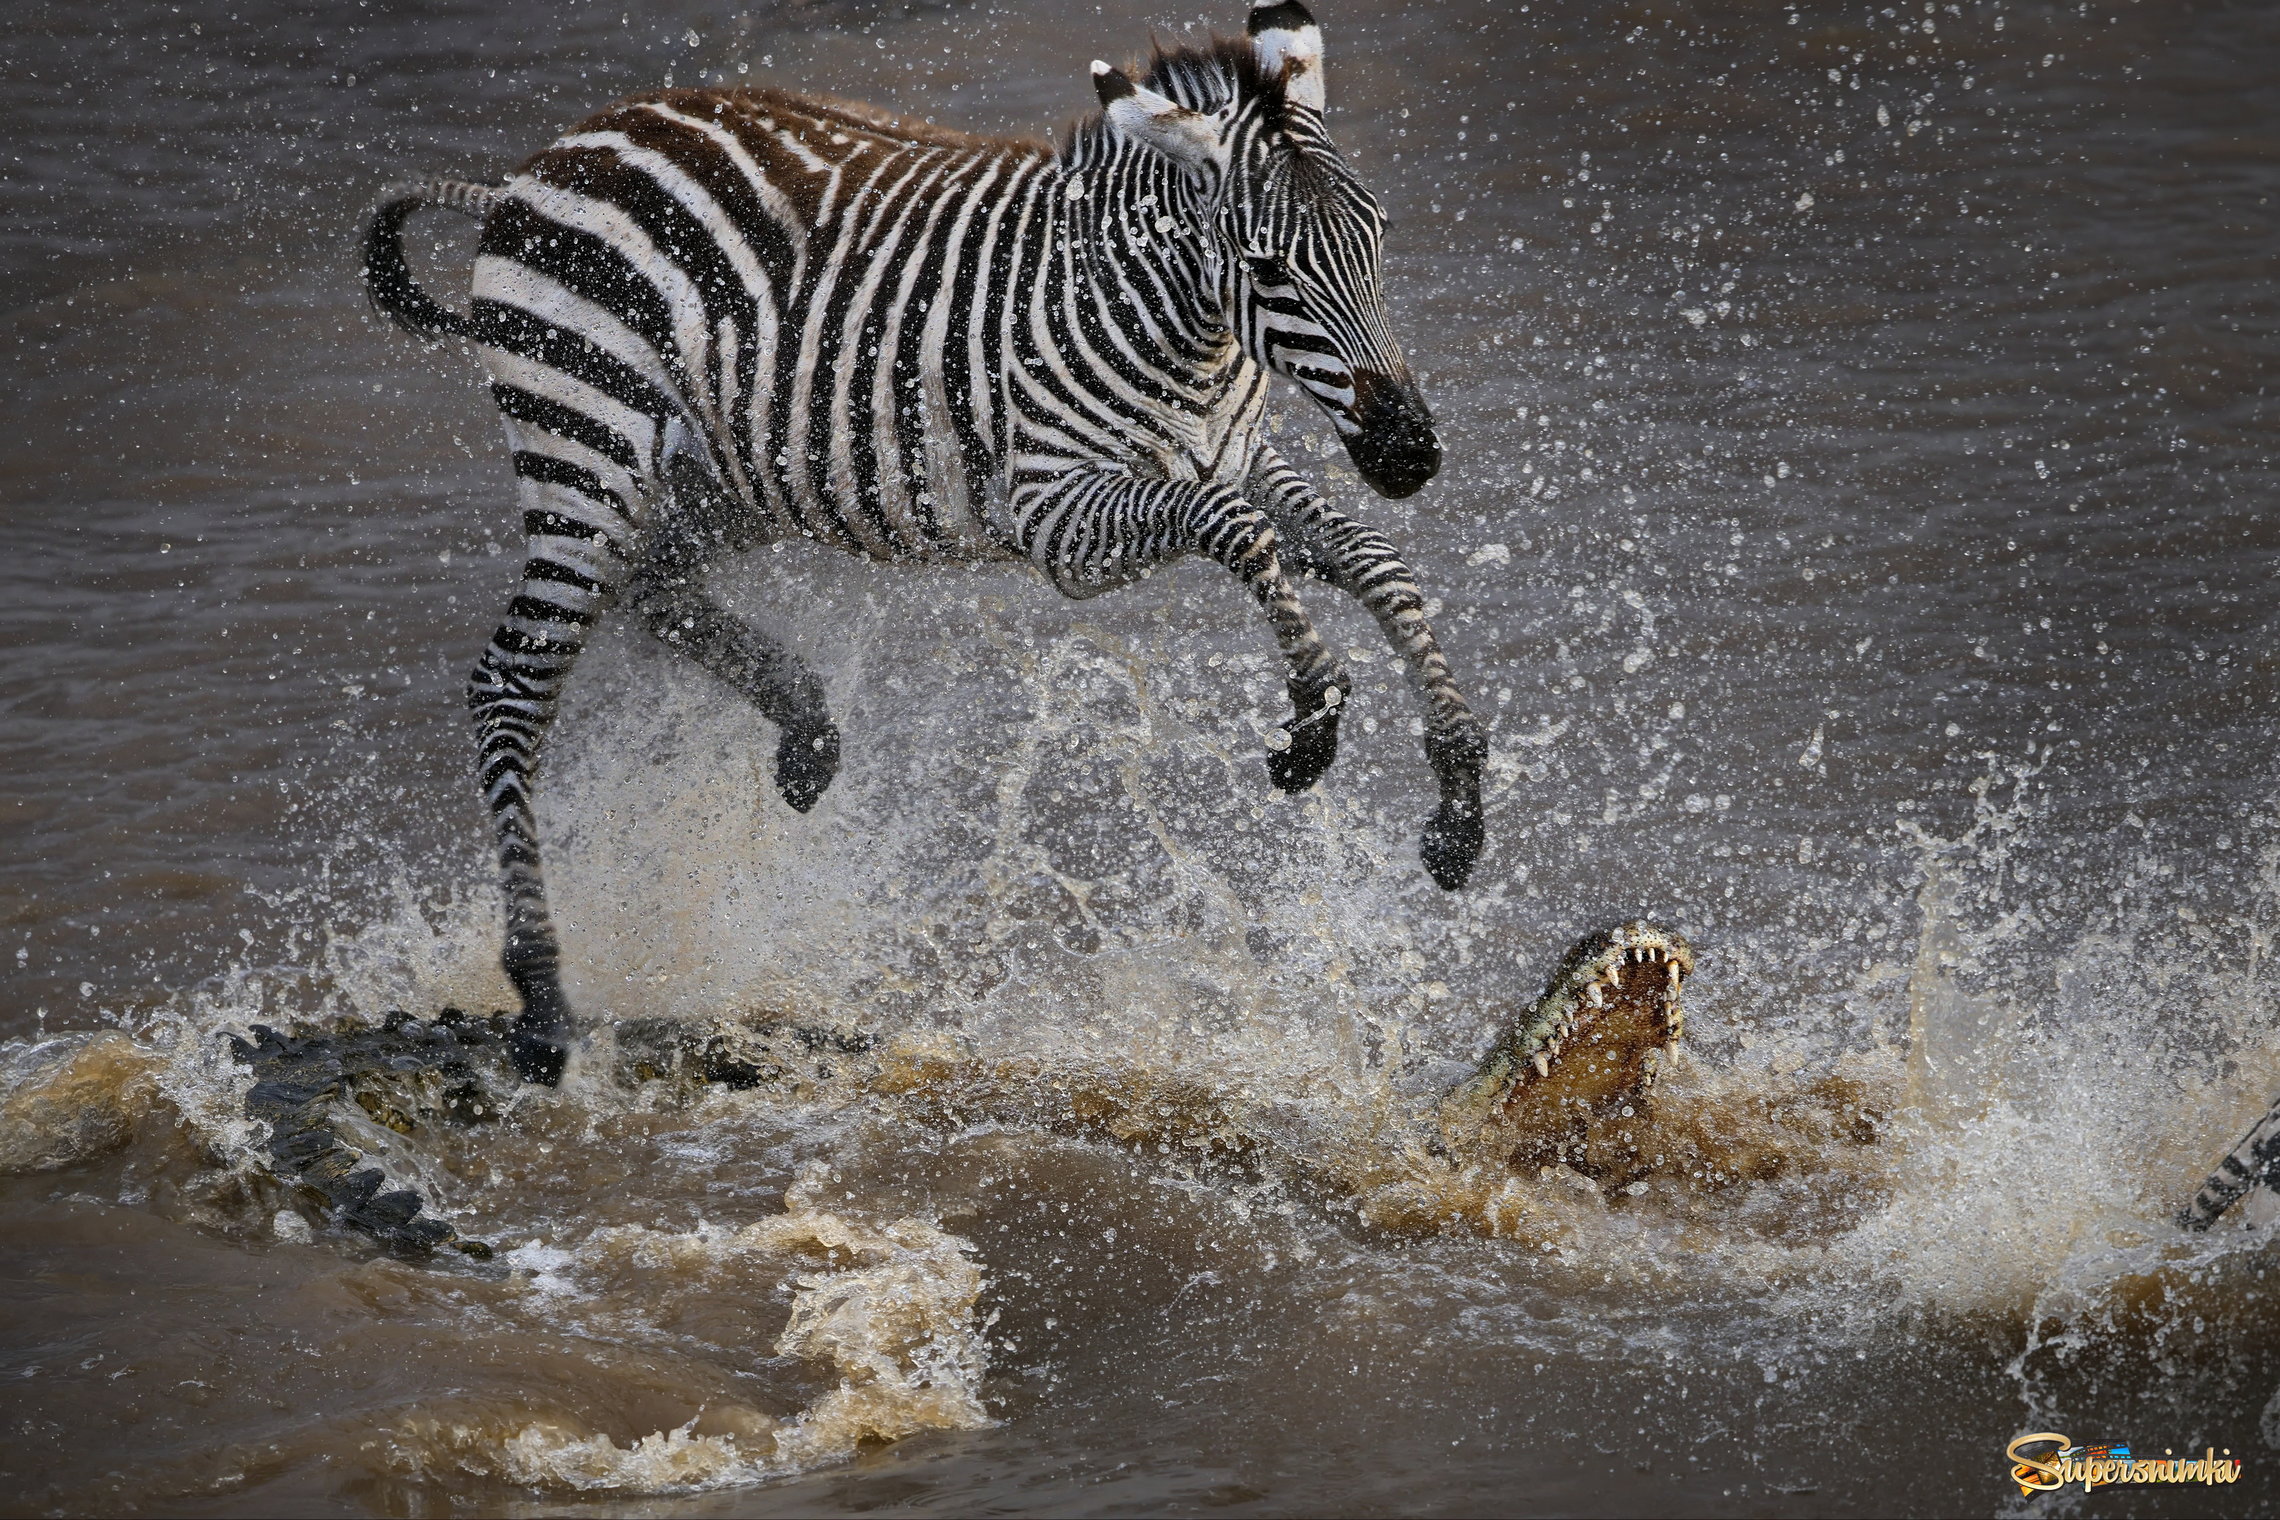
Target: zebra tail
(2249, 1166)
(388, 278)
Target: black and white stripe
(713, 318)
(2252, 1164)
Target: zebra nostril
(1396, 456)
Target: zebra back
(811, 298)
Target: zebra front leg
(668, 593)
(1323, 542)
(1096, 528)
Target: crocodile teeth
(1674, 978)
(1615, 975)
(1543, 1064)
(1594, 997)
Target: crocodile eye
(1268, 269)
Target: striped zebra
(2252, 1164)
(715, 318)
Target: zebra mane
(1208, 76)
(1202, 76)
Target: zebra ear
(1289, 45)
(1188, 138)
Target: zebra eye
(1268, 269)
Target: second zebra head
(1295, 236)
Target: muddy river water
(1857, 524)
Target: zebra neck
(1142, 252)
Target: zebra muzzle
(1394, 446)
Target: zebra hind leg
(513, 694)
(513, 706)
(668, 594)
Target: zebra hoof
(806, 760)
(1452, 844)
(1302, 749)
(1309, 748)
(536, 1048)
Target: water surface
(1856, 524)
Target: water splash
(890, 1309)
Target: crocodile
(1558, 1086)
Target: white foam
(893, 1317)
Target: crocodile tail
(301, 1082)
(388, 277)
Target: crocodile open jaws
(1589, 1049)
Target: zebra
(2252, 1164)
(713, 318)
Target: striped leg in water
(578, 529)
